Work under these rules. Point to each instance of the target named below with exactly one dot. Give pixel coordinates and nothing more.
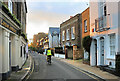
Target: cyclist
(49, 54)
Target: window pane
(73, 33)
(85, 25)
(112, 44)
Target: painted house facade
(13, 41)
(105, 32)
(54, 37)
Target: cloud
(40, 21)
(58, 0)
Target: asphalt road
(57, 71)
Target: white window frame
(10, 6)
(67, 34)
(102, 4)
(112, 44)
(73, 33)
(63, 35)
(102, 13)
(85, 25)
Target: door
(102, 51)
(95, 51)
(10, 55)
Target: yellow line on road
(85, 73)
(32, 69)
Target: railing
(102, 23)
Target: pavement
(22, 74)
(92, 70)
(37, 68)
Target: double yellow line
(84, 72)
(31, 71)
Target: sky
(43, 14)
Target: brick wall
(74, 21)
(86, 16)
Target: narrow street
(59, 71)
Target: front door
(10, 55)
(102, 51)
(95, 52)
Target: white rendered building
(105, 32)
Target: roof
(71, 18)
(54, 29)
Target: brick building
(46, 43)
(13, 40)
(37, 37)
(70, 35)
(85, 23)
(85, 27)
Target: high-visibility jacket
(49, 52)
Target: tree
(86, 43)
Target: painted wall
(5, 52)
(119, 27)
(55, 40)
(0, 50)
(14, 52)
(60, 55)
(112, 9)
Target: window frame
(67, 34)
(63, 35)
(73, 32)
(85, 25)
(112, 43)
(10, 6)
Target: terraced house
(70, 35)
(105, 33)
(13, 40)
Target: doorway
(10, 55)
(95, 51)
(102, 51)
(10, 69)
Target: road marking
(31, 71)
(81, 70)
(84, 72)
